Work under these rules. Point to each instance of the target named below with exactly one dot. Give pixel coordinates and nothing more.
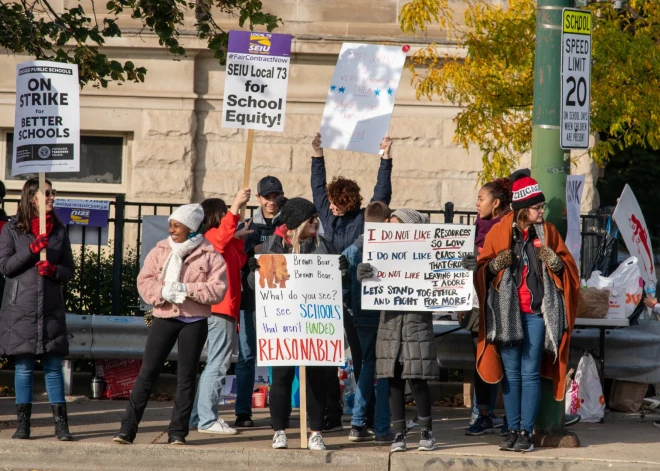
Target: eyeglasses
(50, 193)
(313, 220)
(539, 207)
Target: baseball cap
(269, 185)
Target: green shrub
(90, 290)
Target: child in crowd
(405, 350)
(366, 326)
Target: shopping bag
(593, 303)
(572, 403)
(625, 286)
(590, 392)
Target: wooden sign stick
(247, 168)
(303, 406)
(42, 210)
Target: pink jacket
(203, 273)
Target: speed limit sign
(575, 78)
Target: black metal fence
(102, 271)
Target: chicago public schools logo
(44, 152)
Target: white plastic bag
(625, 286)
(590, 393)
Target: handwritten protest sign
(47, 118)
(418, 267)
(256, 81)
(299, 315)
(632, 225)
(361, 97)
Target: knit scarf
(172, 268)
(505, 328)
(483, 226)
(34, 225)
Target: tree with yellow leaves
(494, 83)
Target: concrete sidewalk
(622, 443)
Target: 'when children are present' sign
(299, 316)
(417, 267)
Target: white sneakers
(219, 427)
(314, 443)
(279, 440)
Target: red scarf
(35, 225)
(281, 231)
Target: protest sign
(256, 81)
(630, 221)
(92, 213)
(47, 118)
(299, 316)
(417, 267)
(574, 188)
(361, 97)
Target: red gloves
(40, 243)
(45, 268)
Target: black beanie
(295, 212)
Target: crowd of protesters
(200, 282)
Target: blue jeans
(367, 336)
(219, 347)
(24, 378)
(521, 387)
(245, 367)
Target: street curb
(30, 454)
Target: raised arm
(383, 188)
(319, 182)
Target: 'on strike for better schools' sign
(417, 267)
(47, 118)
(299, 317)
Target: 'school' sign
(256, 81)
(418, 267)
(299, 316)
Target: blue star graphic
(333, 87)
(377, 92)
(342, 89)
(390, 91)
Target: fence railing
(101, 271)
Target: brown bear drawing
(272, 270)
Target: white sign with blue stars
(361, 97)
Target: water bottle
(650, 290)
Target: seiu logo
(259, 44)
(80, 216)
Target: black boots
(23, 414)
(61, 422)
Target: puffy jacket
(203, 272)
(353, 292)
(262, 231)
(406, 337)
(223, 241)
(342, 231)
(33, 316)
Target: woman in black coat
(33, 318)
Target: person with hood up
(182, 277)
(527, 285)
(406, 351)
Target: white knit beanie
(190, 215)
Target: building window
(101, 162)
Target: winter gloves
(551, 259)
(364, 271)
(503, 260)
(174, 292)
(45, 268)
(469, 262)
(40, 243)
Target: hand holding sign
(386, 148)
(316, 145)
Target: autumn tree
(493, 80)
(39, 29)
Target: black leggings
(280, 395)
(481, 388)
(163, 334)
(421, 393)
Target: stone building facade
(161, 141)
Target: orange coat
(489, 363)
